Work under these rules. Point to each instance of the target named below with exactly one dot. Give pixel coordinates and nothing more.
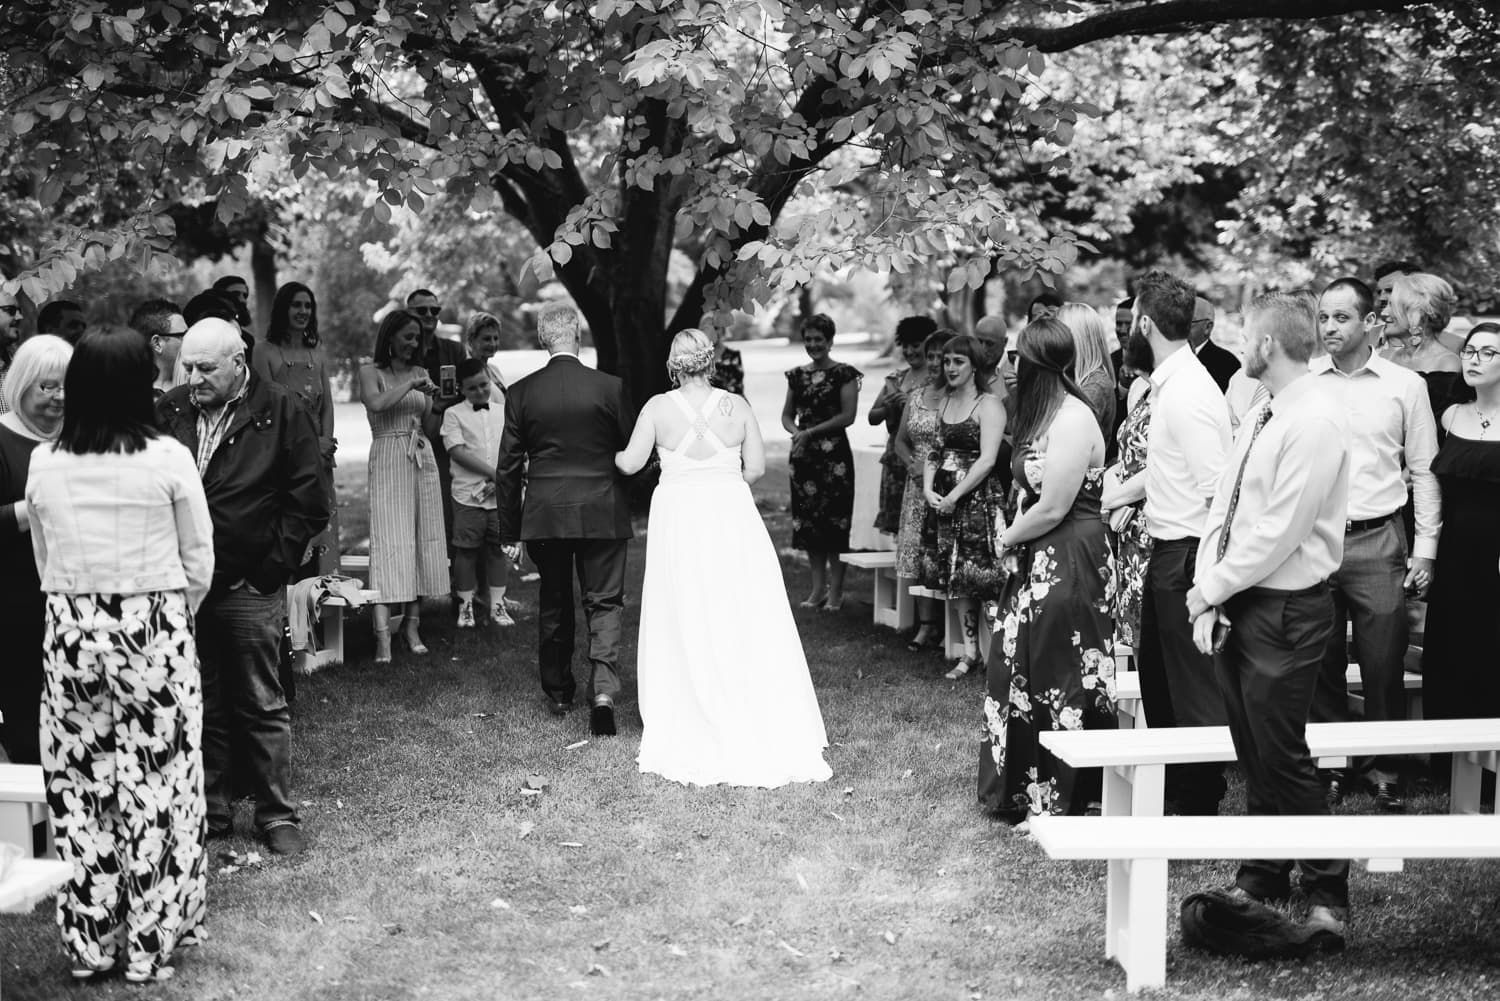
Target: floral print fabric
(1132, 543)
(729, 372)
(122, 735)
(822, 471)
(917, 534)
(1051, 666)
(963, 559)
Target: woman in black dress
(33, 392)
(1459, 678)
(821, 399)
(911, 334)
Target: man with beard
(1391, 429)
(1186, 443)
(1274, 534)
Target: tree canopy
(617, 132)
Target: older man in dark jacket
(257, 453)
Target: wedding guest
(1051, 666)
(1220, 363)
(889, 405)
(956, 480)
(33, 391)
(1123, 497)
(916, 536)
(237, 291)
(1273, 535)
(10, 334)
(435, 353)
(61, 318)
(482, 336)
(161, 322)
(1393, 440)
(821, 399)
(124, 546)
(1420, 307)
(1094, 375)
(729, 366)
(218, 306)
(408, 554)
(471, 432)
(257, 453)
(1386, 274)
(292, 357)
(1000, 370)
(1043, 307)
(1186, 442)
(1463, 629)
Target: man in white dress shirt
(1391, 430)
(1186, 445)
(1274, 535)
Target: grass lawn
(434, 874)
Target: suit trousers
(1368, 589)
(600, 565)
(1268, 671)
(1177, 682)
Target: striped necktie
(1239, 481)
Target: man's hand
(512, 552)
(1203, 631)
(1419, 577)
(1196, 606)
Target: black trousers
(1269, 671)
(1177, 682)
(600, 566)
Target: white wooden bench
(330, 624)
(892, 605)
(23, 805)
(29, 880)
(953, 628)
(1138, 848)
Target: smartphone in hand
(448, 380)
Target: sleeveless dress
(823, 471)
(1052, 666)
(918, 527)
(963, 558)
(1132, 543)
(892, 469)
(408, 555)
(1460, 675)
(724, 690)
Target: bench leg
(883, 598)
(906, 605)
(1144, 938)
(1463, 789)
(15, 826)
(333, 632)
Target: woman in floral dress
(1124, 495)
(964, 561)
(916, 536)
(821, 399)
(1052, 667)
(911, 333)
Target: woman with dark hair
(237, 291)
(408, 554)
(1052, 667)
(911, 333)
(821, 399)
(916, 537)
(124, 546)
(291, 358)
(33, 392)
(1463, 631)
(965, 499)
(1123, 497)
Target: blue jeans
(239, 649)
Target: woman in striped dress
(408, 555)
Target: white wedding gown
(724, 690)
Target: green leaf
(22, 122)
(238, 106)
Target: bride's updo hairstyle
(691, 354)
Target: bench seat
(23, 805)
(890, 605)
(1138, 848)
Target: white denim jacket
(116, 523)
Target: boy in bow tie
(471, 433)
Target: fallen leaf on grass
(741, 922)
(890, 938)
(570, 844)
(534, 782)
(315, 916)
(525, 828)
(677, 950)
(349, 918)
(575, 745)
(802, 882)
(848, 790)
(834, 956)
(482, 715)
(794, 951)
(906, 774)
(578, 909)
(601, 945)
(339, 803)
(531, 792)
(835, 816)
(499, 904)
(595, 970)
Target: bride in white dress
(724, 690)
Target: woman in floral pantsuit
(123, 543)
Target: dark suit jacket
(1221, 364)
(563, 426)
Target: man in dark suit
(1221, 364)
(563, 426)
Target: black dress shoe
(602, 721)
(1386, 798)
(559, 708)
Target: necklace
(1484, 421)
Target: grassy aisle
(434, 872)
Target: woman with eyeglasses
(33, 391)
(291, 357)
(1459, 678)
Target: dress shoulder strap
(682, 404)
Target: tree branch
(1176, 16)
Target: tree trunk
(262, 278)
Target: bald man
(1221, 363)
(257, 452)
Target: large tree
(612, 132)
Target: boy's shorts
(475, 526)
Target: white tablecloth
(862, 534)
